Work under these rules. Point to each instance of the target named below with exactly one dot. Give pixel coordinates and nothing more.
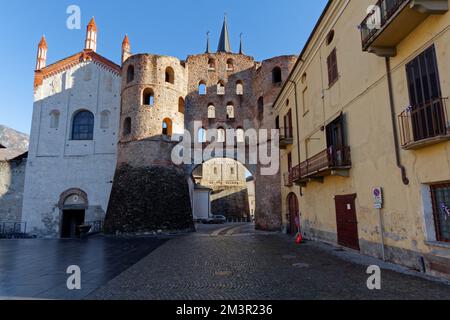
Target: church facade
(101, 139)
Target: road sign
(378, 197)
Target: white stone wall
(56, 163)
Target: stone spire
(91, 36)
(41, 60)
(224, 42)
(208, 45)
(126, 49)
(241, 45)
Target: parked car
(216, 219)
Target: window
(148, 97)
(167, 127)
(232, 171)
(330, 37)
(83, 126)
(215, 170)
(221, 135)
(239, 88)
(202, 88)
(276, 75)
(240, 135)
(288, 125)
(54, 119)
(170, 75)
(305, 101)
(181, 105)
(261, 106)
(440, 195)
(201, 135)
(333, 73)
(221, 88)
(211, 64)
(336, 142)
(289, 162)
(130, 74)
(230, 110)
(277, 122)
(428, 114)
(230, 64)
(127, 126)
(211, 112)
(104, 119)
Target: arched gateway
(151, 191)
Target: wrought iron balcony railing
(390, 21)
(321, 164)
(425, 124)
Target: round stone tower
(149, 192)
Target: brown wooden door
(347, 223)
(293, 213)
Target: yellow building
(365, 110)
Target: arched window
(211, 111)
(221, 88)
(276, 75)
(230, 110)
(211, 64)
(221, 135)
(215, 170)
(330, 37)
(201, 135)
(127, 126)
(83, 125)
(104, 119)
(202, 88)
(148, 97)
(239, 88)
(54, 119)
(130, 74)
(181, 105)
(261, 105)
(230, 64)
(170, 75)
(167, 127)
(240, 135)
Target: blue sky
(169, 27)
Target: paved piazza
(219, 262)
(234, 262)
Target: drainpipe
(394, 122)
(298, 128)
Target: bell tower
(41, 60)
(91, 36)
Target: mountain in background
(13, 139)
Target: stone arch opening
(232, 187)
(277, 75)
(127, 126)
(167, 127)
(82, 126)
(181, 105)
(148, 97)
(202, 88)
(170, 75)
(130, 74)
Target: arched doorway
(73, 205)
(293, 213)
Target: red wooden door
(347, 222)
(293, 213)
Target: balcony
(288, 181)
(424, 125)
(330, 162)
(286, 137)
(393, 20)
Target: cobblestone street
(234, 262)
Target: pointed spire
(241, 45)
(208, 45)
(126, 49)
(91, 36)
(41, 60)
(224, 42)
